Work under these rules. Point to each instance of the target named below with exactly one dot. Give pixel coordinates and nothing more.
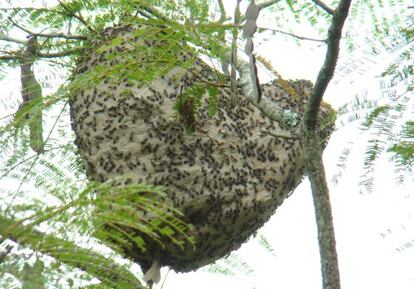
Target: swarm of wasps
(227, 176)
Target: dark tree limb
(106, 270)
(324, 6)
(326, 72)
(313, 153)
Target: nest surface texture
(227, 177)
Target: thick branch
(323, 211)
(222, 10)
(313, 153)
(11, 39)
(325, 7)
(326, 73)
(104, 269)
(261, 6)
(268, 107)
(265, 4)
(12, 55)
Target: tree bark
(313, 153)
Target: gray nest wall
(227, 177)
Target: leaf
(213, 100)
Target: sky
(370, 228)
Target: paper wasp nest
(227, 177)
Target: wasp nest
(227, 177)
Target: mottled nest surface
(227, 177)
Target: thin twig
(154, 12)
(20, 27)
(79, 17)
(238, 26)
(47, 35)
(292, 35)
(9, 170)
(26, 175)
(61, 53)
(324, 6)
(15, 55)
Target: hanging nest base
(227, 176)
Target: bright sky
(369, 227)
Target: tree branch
(323, 211)
(261, 6)
(267, 106)
(46, 35)
(104, 269)
(61, 53)
(11, 39)
(15, 55)
(264, 5)
(10, 56)
(326, 72)
(222, 10)
(292, 35)
(325, 7)
(234, 57)
(79, 17)
(313, 153)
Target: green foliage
(230, 266)
(67, 204)
(212, 101)
(190, 101)
(372, 116)
(385, 119)
(65, 200)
